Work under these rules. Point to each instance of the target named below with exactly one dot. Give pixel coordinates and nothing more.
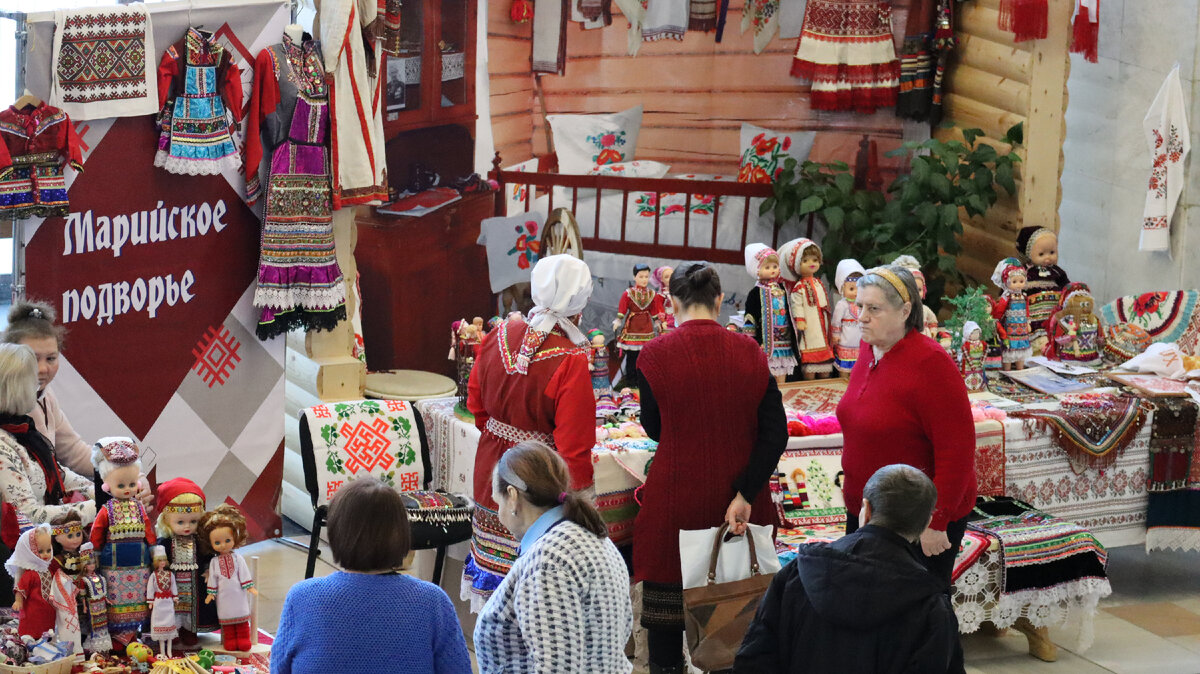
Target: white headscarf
(790, 255)
(561, 286)
(968, 328)
(25, 556)
(844, 269)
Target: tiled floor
(1150, 624)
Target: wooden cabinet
(432, 82)
(417, 276)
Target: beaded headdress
(75, 527)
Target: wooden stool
(408, 385)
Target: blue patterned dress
(201, 89)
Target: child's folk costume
(36, 144)
(200, 93)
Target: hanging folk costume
(1011, 312)
(359, 166)
(809, 304)
(300, 284)
(928, 42)
(768, 318)
(36, 144)
(1074, 329)
(846, 51)
(1169, 140)
(530, 382)
(200, 101)
(1044, 279)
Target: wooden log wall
(993, 84)
(695, 93)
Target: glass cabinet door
(453, 50)
(403, 92)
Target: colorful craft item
(1092, 428)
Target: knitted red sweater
(911, 408)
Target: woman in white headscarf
(530, 382)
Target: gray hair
(18, 379)
(916, 315)
(901, 498)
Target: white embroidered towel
(1170, 141)
(103, 63)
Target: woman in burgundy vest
(710, 401)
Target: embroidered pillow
(632, 169)
(764, 151)
(582, 142)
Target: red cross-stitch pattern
(331, 488)
(216, 356)
(396, 405)
(321, 412)
(367, 446)
(409, 482)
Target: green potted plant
(918, 215)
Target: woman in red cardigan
(906, 403)
(710, 401)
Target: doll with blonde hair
(181, 505)
(161, 591)
(222, 531)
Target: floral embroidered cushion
(632, 169)
(764, 151)
(583, 142)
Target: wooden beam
(975, 19)
(1045, 131)
(995, 90)
(998, 58)
(970, 113)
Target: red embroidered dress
(846, 50)
(35, 146)
(37, 613)
(638, 308)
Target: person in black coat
(864, 603)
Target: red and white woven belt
(514, 435)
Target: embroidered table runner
(102, 65)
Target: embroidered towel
(635, 12)
(365, 437)
(513, 247)
(665, 19)
(763, 15)
(101, 66)
(1170, 141)
(550, 36)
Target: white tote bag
(695, 554)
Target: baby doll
(161, 592)
(93, 593)
(598, 364)
(930, 319)
(1038, 248)
(29, 566)
(221, 532)
(181, 504)
(639, 316)
(67, 529)
(123, 533)
(809, 303)
(846, 332)
(1012, 313)
(1073, 330)
(971, 356)
(768, 317)
(661, 280)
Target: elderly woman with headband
(564, 607)
(906, 403)
(530, 382)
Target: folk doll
(1044, 279)
(971, 356)
(464, 337)
(809, 304)
(123, 533)
(161, 592)
(639, 315)
(29, 566)
(598, 364)
(1074, 331)
(181, 505)
(67, 530)
(229, 581)
(661, 280)
(930, 319)
(846, 332)
(93, 602)
(1011, 312)
(768, 317)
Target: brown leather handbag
(717, 615)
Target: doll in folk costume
(971, 356)
(67, 529)
(123, 533)
(93, 603)
(639, 315)
(181, 505)
(1011, 312)
(606, 405)
(768, 317)
(1044, 279)
(229, 581)
(29, 566)
(464, 338)
(661, 280)
(930, 319)
(160, 593)
(845, 331)
(1073, 330)
(809, 304)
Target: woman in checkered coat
(564, 607)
